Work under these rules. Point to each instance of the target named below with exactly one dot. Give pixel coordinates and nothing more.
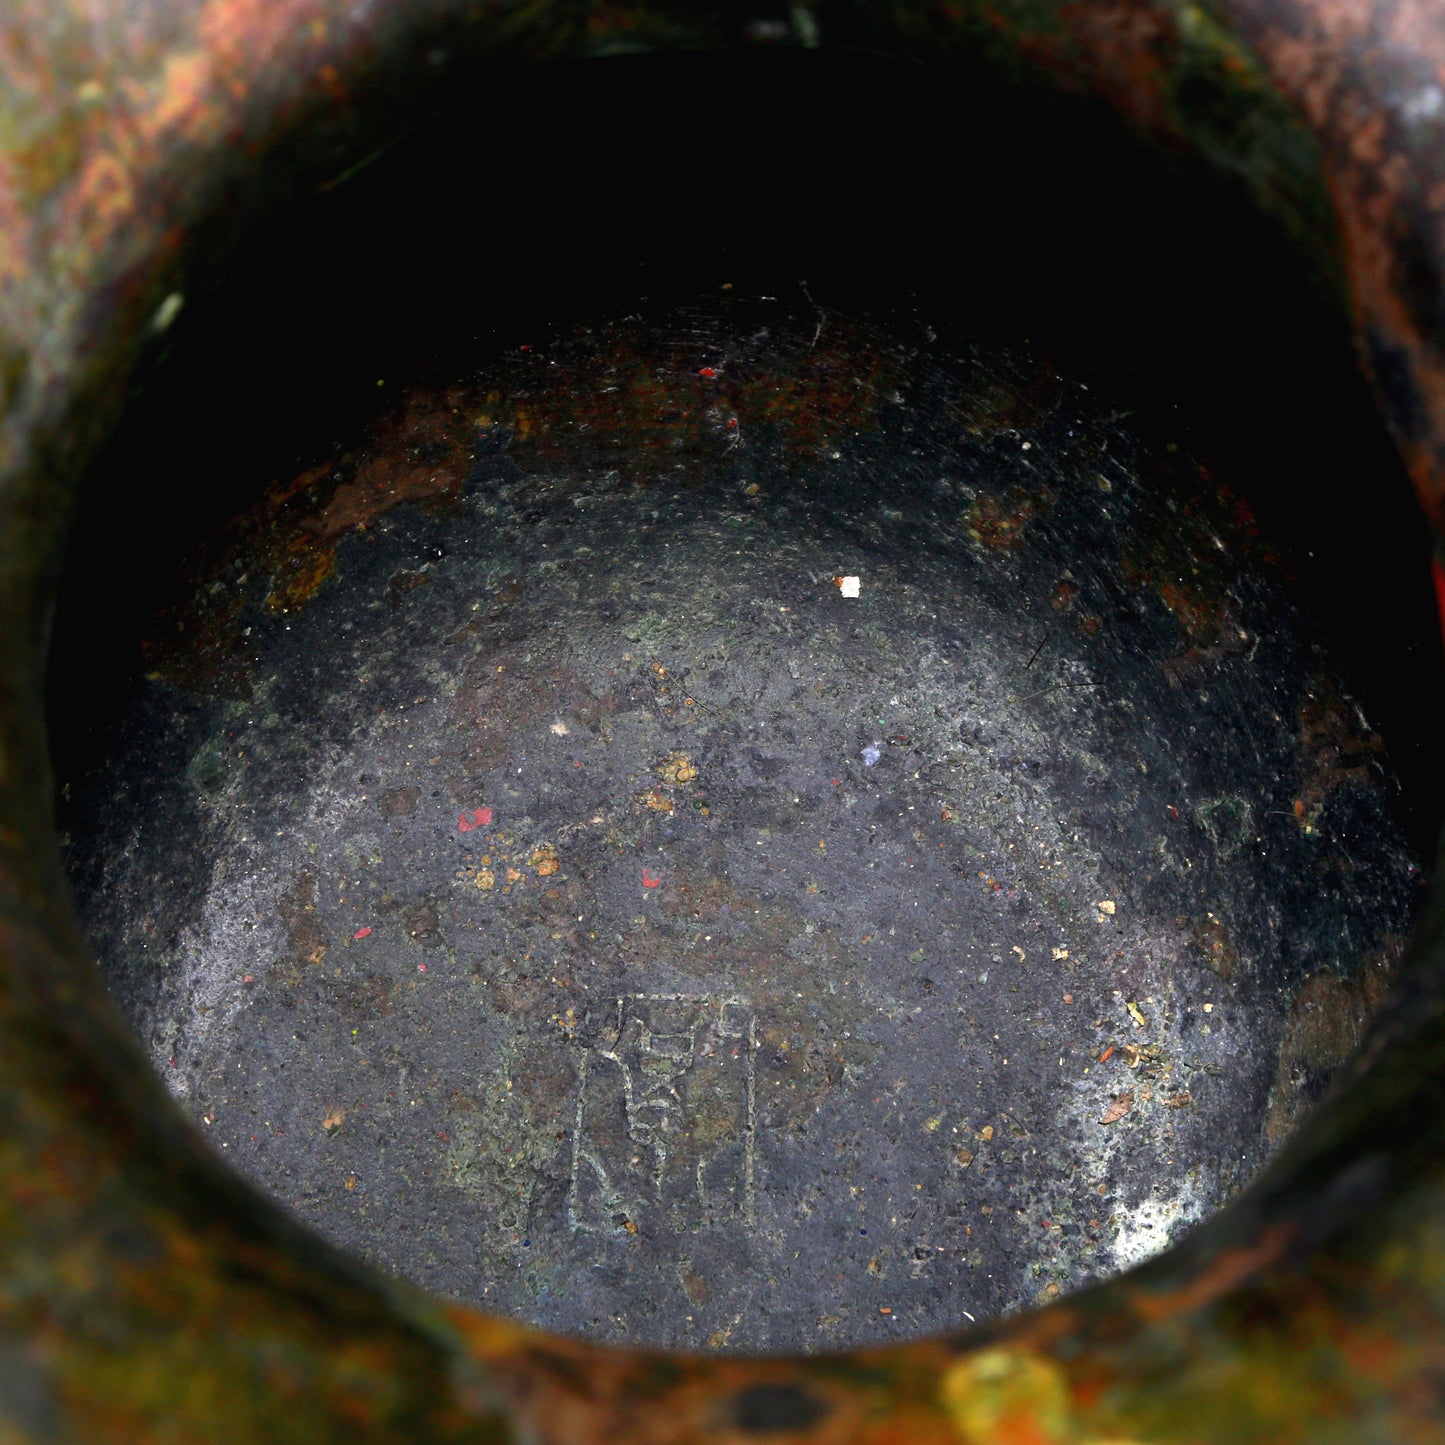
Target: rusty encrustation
(1370, 82)
(146, 1295)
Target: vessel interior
(528, 860)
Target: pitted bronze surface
(570, 899)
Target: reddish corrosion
(1361, 76)
(1224, 1274)
(1437, 574)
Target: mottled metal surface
(146, 1295)
(525, 865)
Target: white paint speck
(167, 312)
(1153, 1224)
(1426, 103)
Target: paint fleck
(678, 769)
(1119, 1107)
(476, 818)
(361, 933)
(648, 881)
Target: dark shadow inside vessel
(585, 187)
(928, 203)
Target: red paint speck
(1438, 573)
(707, 371)
(477, 818)
(362, 933)
(648, 881)
(249, 978)
(421, 968)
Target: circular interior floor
(531, 859)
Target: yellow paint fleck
(679, 768)
(1007, 1394)
(1136, 1014)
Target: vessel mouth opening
(713, 663)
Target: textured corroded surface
(527, 867)
(1370, 81)
(145, 1295)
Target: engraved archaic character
(665, 1119)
